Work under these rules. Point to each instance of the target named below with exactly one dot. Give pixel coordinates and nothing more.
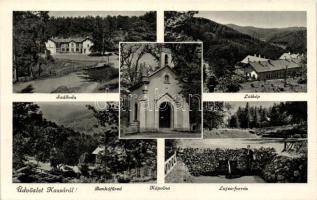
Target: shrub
(283, 169)
(267, 164)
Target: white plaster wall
(254, 74)
(50, 45)
(87, 44)
(158, 92)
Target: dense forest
(223, 46)
(45, 141)
(32, 29)
(292, 39)
(279, 114)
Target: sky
(94, 13)
(261, 19)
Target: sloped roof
(274, 65)
(290, 56)
(250, 58)
(67, 40)
(138, 85)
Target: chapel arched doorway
(165, 115)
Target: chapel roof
(139, 84)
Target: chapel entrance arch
(165, 115)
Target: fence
(170, 163)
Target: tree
(29, 37)
(233, 122)
(297, 110)
(103, 35)
(187, 66)
(131, 55)
(213, 114)
(121, 155)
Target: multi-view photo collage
(160, 87)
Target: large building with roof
(257, 68)
(254, 58)
(79, 45)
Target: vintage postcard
(158, 100)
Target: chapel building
(156, 103)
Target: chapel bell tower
(166, 58)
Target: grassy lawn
(98, 80)
(269, 132)
(102, 74)
(276, 85)
(81, 57)
(229, 133)
(64, 64)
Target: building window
(166, 79)
(166, 60)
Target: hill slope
(223, 46)
(81, 121)
(291, 38)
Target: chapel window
(166, 60)
(166, 79)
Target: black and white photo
(67, 142)
(235, 161)
(261, 119)
(246, 51)
(244, 142)
(160, 90)
(73, 51)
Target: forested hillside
(132, 28)
(292, 39)
(56, 146)
(223, 46)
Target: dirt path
(72, 80)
